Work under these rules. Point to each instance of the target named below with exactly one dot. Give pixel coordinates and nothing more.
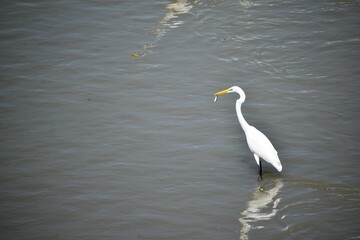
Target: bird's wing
(258, 142)
(261, 146)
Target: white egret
(258, 143)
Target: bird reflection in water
(262, 206)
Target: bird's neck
(241, 118)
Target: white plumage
(258, 143)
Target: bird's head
(229, 90)
(233, 89)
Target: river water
(108, 128)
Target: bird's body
(258, 143)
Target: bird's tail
(277, 165)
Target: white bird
(258, 143)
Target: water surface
(108, 128)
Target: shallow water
(108, 127)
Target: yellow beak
(222, 92)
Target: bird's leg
(260, 169)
